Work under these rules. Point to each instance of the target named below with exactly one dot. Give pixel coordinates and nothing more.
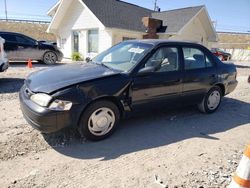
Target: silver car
(4, 63)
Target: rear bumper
(42, 118)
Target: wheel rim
(50, 58)
(213, 100)
(101, 121)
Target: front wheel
(99, 120)
(49, 58)
(211, 100)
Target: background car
(20, 48)
(4, 63)
(223, 56)
(93, 97)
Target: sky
(229, 15)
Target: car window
(165, 59)
(195, 59)
(24, 40)
(123, 56)
(9, 37)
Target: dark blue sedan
(93, 96)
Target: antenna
(6, 14)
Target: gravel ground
(171, 148)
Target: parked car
(20, 48)
(4, 63)
(223, 56)
(94, 96)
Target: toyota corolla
(94, 96)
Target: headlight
(41, 99)
(60, 105)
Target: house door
(75, 41)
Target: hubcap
(101, 121)
(50, 58)
(213, 100)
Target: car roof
(8, 32)
(164, 41)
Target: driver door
(163, 84)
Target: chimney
(151, 25)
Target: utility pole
(155, 5)
(6, 13)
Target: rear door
(162, 85)
(27, 48)
(199, 74)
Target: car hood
(53, 79)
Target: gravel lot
(178, 148)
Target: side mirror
(87, 59)
(146, 70)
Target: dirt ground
(178, 148)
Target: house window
(75, 41)
(127, 38)
(93, 41)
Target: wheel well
(115, 101)
(222, 87)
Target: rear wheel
(99, 120)
(49, 58)
(211, 101)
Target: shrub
(76, 56)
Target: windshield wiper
(100, 63)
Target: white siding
(105, 39)
(81, 19)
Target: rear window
(24, 40)
(8, 37)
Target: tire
(211, 100)
(50, 58)
(97, 129)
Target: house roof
(123, 15)
(118, 14)
(175, 20)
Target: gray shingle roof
(176, 19)
(119, 14)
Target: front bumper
(4, 65)
(59, 55)
(42, 118)
(231, 87)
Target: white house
(92, 26)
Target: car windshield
(124, 56)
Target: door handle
(20, 47)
